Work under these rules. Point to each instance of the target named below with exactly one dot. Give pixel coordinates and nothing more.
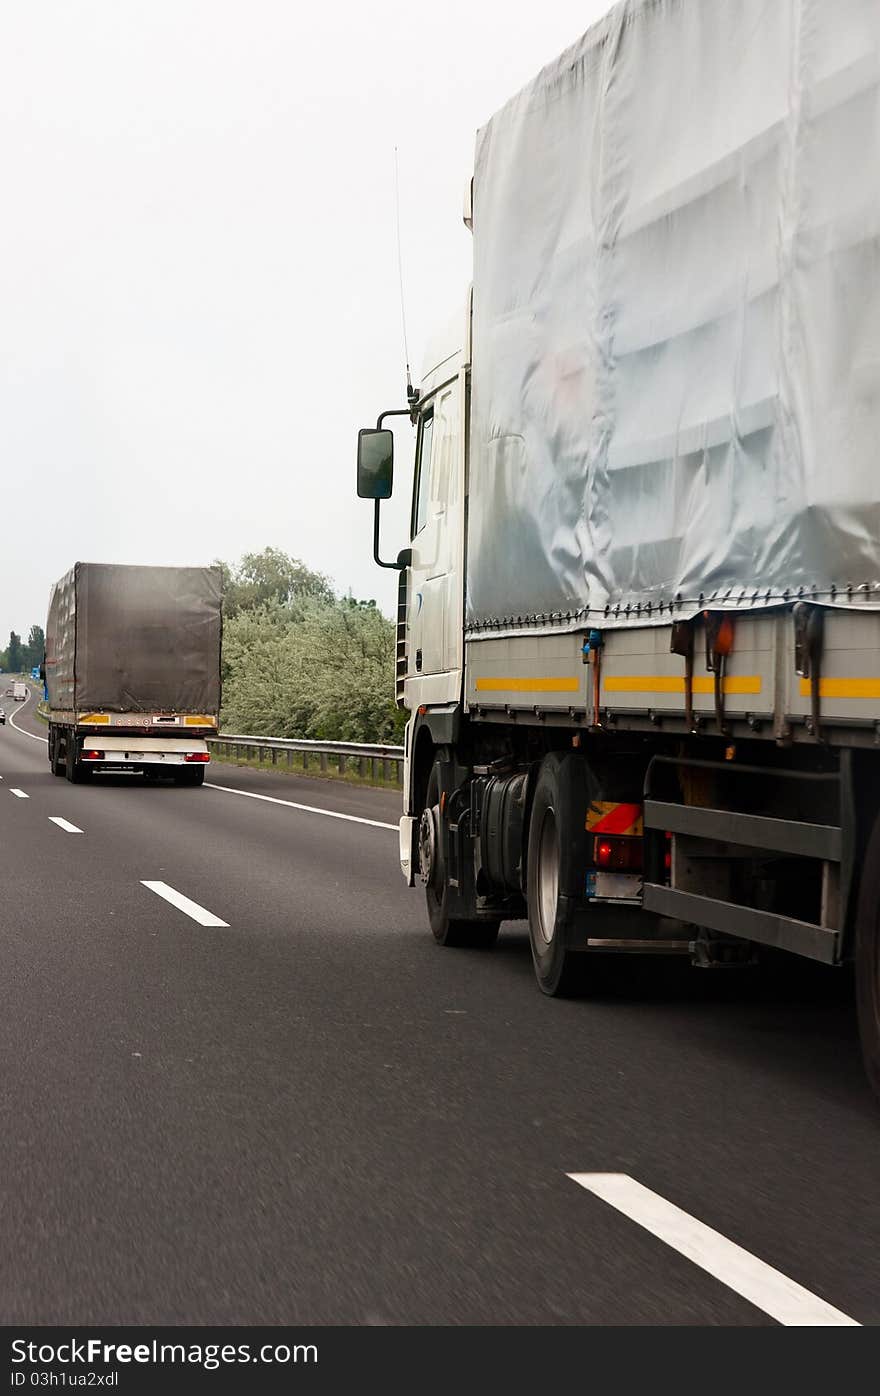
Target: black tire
(76, 771)
(56, 765)
(867, 957)
(190, 775)
(452, 931)
(556, 865)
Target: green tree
(35, 647)
(298, 661)
(271, 576)
(14, 654)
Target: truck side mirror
(375, 466)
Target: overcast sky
(198, 265)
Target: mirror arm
(399, 565)
(395, 566)
(394, 412)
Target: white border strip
(766, 1288)
(307, 809)
(64, 824)
(33, 735)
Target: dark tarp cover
(135, 639)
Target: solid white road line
(308, 809)
(20, 793)
(766, 1288)
(64, 824)
(198, 913)
(33, 736)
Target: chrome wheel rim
(548, 877)
(427, 846)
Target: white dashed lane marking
(64, 824)
(768, 1289)
(184, 904)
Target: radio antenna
(411, 394)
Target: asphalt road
(312, 1114)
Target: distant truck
(19, 692)
(639, 606)
(132, 670)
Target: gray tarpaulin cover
(676, 382)
(135, 639)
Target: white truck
(639, 612)
(19, 692)
(132, 670)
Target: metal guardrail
(372, 759)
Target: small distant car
(2, 717)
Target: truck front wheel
(868, 960)
(448, 930)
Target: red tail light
(93, 756)
(197, 756)
(623, 854)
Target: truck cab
(430, 621)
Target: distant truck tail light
(621, 854)
(197, 756)
(93, 756)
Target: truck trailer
(132, 670)
(639, 611)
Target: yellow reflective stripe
(201, 721)
(511, 685)
(843, 688)
(670, 683)
(94, 717)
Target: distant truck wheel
(556, 863)
(448, 930)
(77, 773)
(190, 775)
(56, 765)
(867, 955)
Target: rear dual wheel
(77, 772)
(189, 775)
(555, 864)
(56, 761)
(867, 957)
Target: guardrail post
(364, 766)
(386, 769)
(341, 764)
(323, 760)
(305, 761)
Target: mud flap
(409, 849)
